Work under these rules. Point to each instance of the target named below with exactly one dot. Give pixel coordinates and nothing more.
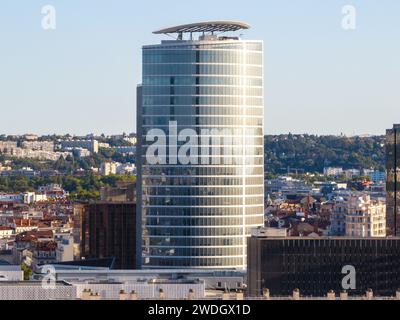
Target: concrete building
(6, 232)
(333, 171)
(11, 273)
(197, 207)
(65, 247)
(352, 173)
(28, 291)
(38, 145)
(60, 290)
(91, 145)
(33, 197)
(377, 176)
(122, 192)
(220, 280)
(7, 147)
(357, 215)
(108, 168)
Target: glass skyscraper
(201, 98)
(393, 181)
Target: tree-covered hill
(311, 153)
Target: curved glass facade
(199, 214)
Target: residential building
(126, 168)
(6, 232)
(125, 149)
(352, 173)
(108, 168)
(332, 171)
(91, 145)
(358, 216)
(378, 176)
(197, 210)
(38, 145)
(65, 247)
(7, 147)
(41, 253)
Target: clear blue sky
(81, 78)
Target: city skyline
(80, 78)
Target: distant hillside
(311, 153)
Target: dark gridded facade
(393, 181)
(109, 230)
(315, 265)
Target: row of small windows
(217, 45)
(195, 232)
(196, 252)
(187, 212)
(198, 120)
(237, 241)
(190, 80)
(210, 191)
(248, 160)
(201, 56)
(192, 262)
(205, 201)
(206, 160)
(156, 191)
(202, 69)
(201, 100)
(213, 132)
(202, 222)
(202, 111)
(203, 181)
(190, 121)
(202, 171)
(226, 141)
(202, 90)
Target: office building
(108, 230)
(317, 265)
(392, 181)
(202, 191)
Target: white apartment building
(91, 145)
(33, 197)
(6, 232)
(38, 145)
(351, 173)
(358, 216)
(333, 171)
(108, 168)
(65, 247)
